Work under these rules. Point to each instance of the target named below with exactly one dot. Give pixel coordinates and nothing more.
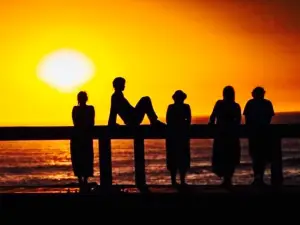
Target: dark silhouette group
(226, 115)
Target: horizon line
(103, 121)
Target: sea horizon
(291, 117)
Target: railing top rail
(124, 132)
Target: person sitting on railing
(226, 146)
(178, 142)
(129, 114)
(82, 154)
(258, 115)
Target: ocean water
(38, 163)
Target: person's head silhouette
(179, 96)
(229, 94)
(82, 98)
(258, 93)
(119, 84)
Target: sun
(65, 69)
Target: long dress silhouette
(178, 142)
(226, 146)
(82, 154)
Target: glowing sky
(157, 45)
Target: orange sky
(157, 45)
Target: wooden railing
(105, 134)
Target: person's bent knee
(146, 99)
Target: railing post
(276, 164)
(105, 164)
(139, 162)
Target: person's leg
(182, 177)
(255, 149)
(227, 181)
(85, 185)
(173, 177)
(80, 180)
(85, 180)
(258, 170)
(81, 183)
(228, 174)
(144, 106)
(259, 160)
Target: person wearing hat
(178, 143)
(258, 114)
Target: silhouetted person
(82, 154)
(178, 142)
(226, 147)
(129, 114)
(258, 115)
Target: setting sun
(65, 70)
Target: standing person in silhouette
(82, 154)
(258, 114)
(226, 147)
(132, 116)
(178, 142)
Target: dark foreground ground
(49, 203)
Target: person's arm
(246, 111)
(213, 115)
(239, 115)
(92, 116)
(74, 116)
(189, 115)
(169, 115)
(272, 113)
(112, 121)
